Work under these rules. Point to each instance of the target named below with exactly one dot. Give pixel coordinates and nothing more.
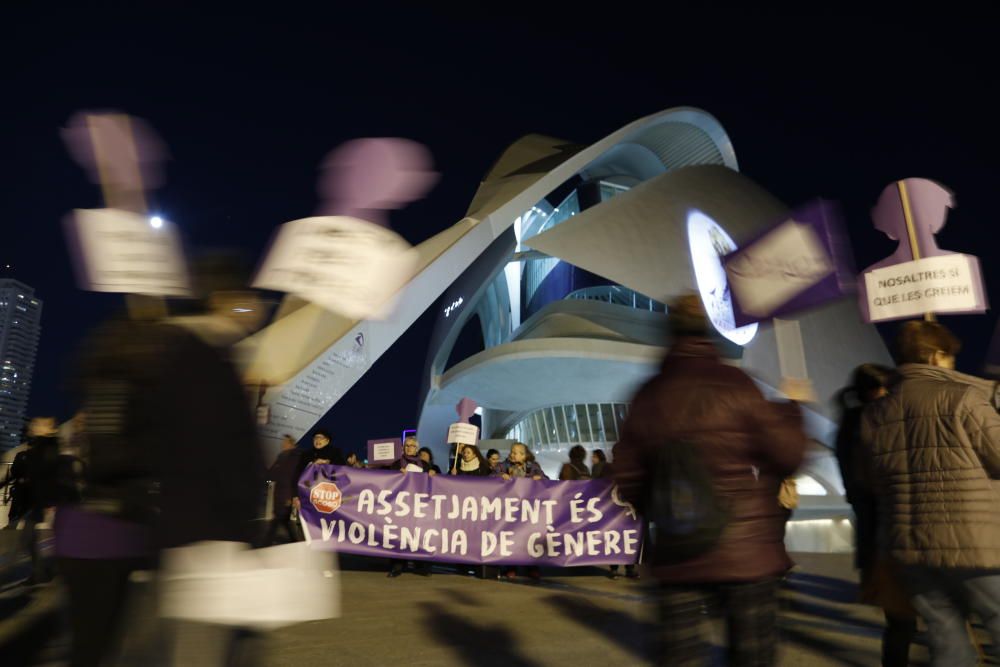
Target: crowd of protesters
(918, 447)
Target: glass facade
(536, 270)
(618, 295)
(562, 426)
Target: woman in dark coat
(470, 461)
(880, 578)
(576, 469)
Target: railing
(619, 296)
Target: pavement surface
(573, 617)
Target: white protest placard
(346, 265)
(940, 284)
(780, 265)
(384, 451)
(463, 434)
(121, 251)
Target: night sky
(816, 105)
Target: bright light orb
(156, 222)
(709, 243)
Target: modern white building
(555, 284)
(20, 328)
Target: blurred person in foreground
(881, 576)
(172, 454)
(932, 455)
(743, 447)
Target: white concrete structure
(625, 224)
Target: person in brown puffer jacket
(932, 449)
(748, 446)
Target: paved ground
(574, 617)
(567, 620)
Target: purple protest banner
(467, 520)
(797, 264)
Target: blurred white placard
(228, 583)
(346, 265)
(121, 251)
(779, 266)
(463, 434)
(795, 382)
(942, 284)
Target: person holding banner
(470, 461)
(410, 462)
(520, 463)
(932, 455)
(493, 458)
(427, 456)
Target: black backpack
(682, 503)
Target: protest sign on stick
(919, 278)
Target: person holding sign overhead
(410, 462)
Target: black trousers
(282, 522)
(97, 592)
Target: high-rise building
(20, 328)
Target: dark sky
(816, 105)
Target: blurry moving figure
(576, 469)
(410, 462)
(932, 453)
(15, 486)
(881, 582)
(173, 456)
(700, 435)
(46, 481)
(428, 457)
(282, 476)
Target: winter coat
(573, 472)
(932, 454)
(748, 445)
(528, 469)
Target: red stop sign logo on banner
(325, 497)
